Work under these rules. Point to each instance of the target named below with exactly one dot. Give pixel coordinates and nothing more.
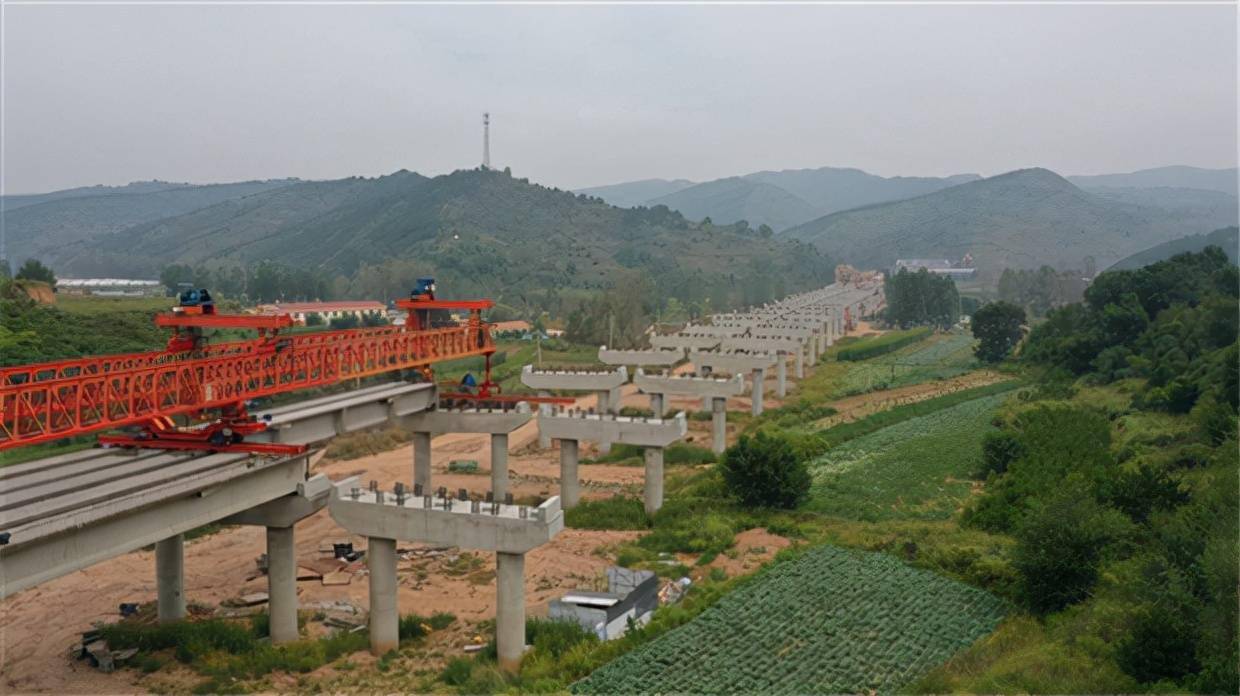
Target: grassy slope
(917, 469)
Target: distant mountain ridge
(1022, 219)
(1227, 238)
(631, 194)
(780, 199)
(1177, 176)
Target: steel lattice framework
(49, 401)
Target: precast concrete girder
(321, 419)
(470, 420)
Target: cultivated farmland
(940, 357)
(829, 621)
(917, 468)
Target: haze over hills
(480, 231)
(1221, 180)
(634, 193)
(780, 199)
(1227, 238)
(1021, 219)
(47, 226)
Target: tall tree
(997, 326)
(34, 269)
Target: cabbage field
(941, 357)
(828, 621)
(915, 469)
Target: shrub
(1059, 547)
(999, 449)
(684, 453)
(611, 513)
(764, 471)
(457, 671)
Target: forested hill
(44, 226)
(480, 232)
(1227, 239)
(1022, 219)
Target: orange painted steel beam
(49, 401)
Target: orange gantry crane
(214, 381)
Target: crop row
(828, 621)
(942, 357)
(918, 468)
(880, 345)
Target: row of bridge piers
(745, 345)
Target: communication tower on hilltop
(486, 140)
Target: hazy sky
(582, 96)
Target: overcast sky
(583, 96)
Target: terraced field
(940, 357)
(829, 621)
(915, 469)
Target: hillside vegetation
(480, 233)
(1022, 219)
(60, 226)
(1227, 239)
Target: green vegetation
(31, 332)
(997, 328)
(880, 345)
(829, 621)
(940, 357)
(1037, 292)
(916, 469)
(921, 298)
(617, 512)
(34, 269)
(764, 471)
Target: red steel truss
(54, 400)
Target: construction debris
(246, 600)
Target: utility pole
(486, 140)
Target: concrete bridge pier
(719, 424)
(281, 584)
(759, 375)
(384, 613)
(509, 609)
(781, 375)
(508, 530)
(653, 493)
(800, 369)
(651, 434)
(656, 404)
(497, 423)
(170, 578)
(570, 484)
(544, 440)
(604, 408)
(422, 460)
(499, 465)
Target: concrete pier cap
(574, 380)
(641, 358)
(685, 385)
(593, 427)
(733, 363)
(468, 420)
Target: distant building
(963, 270)
(328, 310)
(110, 287)
(632, 595)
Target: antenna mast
(486, 140)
